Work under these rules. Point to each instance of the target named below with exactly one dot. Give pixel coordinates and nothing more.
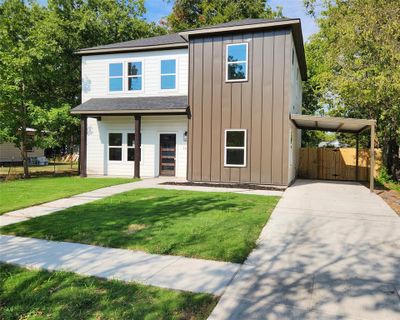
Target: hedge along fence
(337, 163)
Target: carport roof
(348, 125)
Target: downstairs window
(235, 148)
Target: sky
(157, 9)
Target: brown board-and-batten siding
(259, 105)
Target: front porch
(111, 147)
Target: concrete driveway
(331, 250)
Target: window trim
(169, 74)
(235, 148)
(115, 77)
(112, 146)
(227, 63)
(129, 147)
(128, 76)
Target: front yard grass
(216, 226)
(33, 294)
(25, 193)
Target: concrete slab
(6, 220)
(201, 274)
(171, 272)
(329, 251)
(31, 212)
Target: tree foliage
(188, 14)
(39, 70)
(354, 69)
(24, 65)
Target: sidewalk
(172, 272)
(61, 204)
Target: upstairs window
(135, 76)
(115, 146)
(168, 74)
(236, 62)
(235, 148)
(115, 76)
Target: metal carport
(346, 125)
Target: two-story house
(210, 104)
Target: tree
(188, 14)
(57, 127)
(354, 67)
(23, 65)
(39, 70)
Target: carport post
(372, 159)
(357, 146)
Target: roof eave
(131, 49)
(127, 112)
(249, 26)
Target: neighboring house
(10, 154)
(210, 104)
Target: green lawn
(19, 194)
(31, 294)
(216, 226)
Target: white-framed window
(115, 146)
(135, 75)
(115, 77)
(130, 155)
(235, 147)
(168, 74)
(236, 62)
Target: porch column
(83, 147)
(372, 159)
(137, 145)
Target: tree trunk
(24, 155)
(71, 150)
(24, 141)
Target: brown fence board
(336, 164)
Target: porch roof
(129, 105)
(335, 124)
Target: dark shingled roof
(145, 104)
(169, 39)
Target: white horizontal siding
(95, 73)
(152, 127)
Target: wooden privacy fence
(336, 163)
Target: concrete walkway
(330, 250)
(172, 272)
(61, 204)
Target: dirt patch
(391, 197)
(133, 228)
(226, 185)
